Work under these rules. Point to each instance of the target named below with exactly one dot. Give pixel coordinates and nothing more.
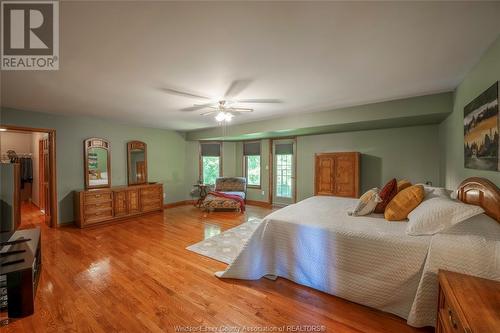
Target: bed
(368, 260)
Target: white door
(284, 172)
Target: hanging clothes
(26, 166)
(26, 170)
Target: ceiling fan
(227, 107)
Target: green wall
(481, 77)
(407, 152)
(413, 155)
(166, 153)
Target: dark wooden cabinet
(21, 264)
(106, 205)
(467, 304)
(337, 174)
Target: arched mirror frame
(137, 145)
(96, 143)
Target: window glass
(252, 164)
(210, 169)
(284, 176)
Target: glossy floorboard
(136, 276)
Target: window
(251, 161)
(210, 162)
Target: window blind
(284, 149)
(210, 149)
(251, 148)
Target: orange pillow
(402, 184)
(404, 202)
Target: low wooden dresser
(467, 304)
(109, 204)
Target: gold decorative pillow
(404, 202)
(402, 184)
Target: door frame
(52, 160)
(41, 171)
(271, 168)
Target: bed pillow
(437, 214)
(367, 203)
(386, 194)
(404, 202)
(402, 184)
(431, 191)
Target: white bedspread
(471, 247)
(363, 259)
(366, 260)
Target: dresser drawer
(448, 321)
(467, 304)
(145, 200)
(89, 208)
(92, 198)
(151, 191)
(97, 216)
(148, 207)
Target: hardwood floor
(136, 276)
(31, 215)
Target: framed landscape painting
(481, 128)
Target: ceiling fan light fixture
(228, 117)
(224, 117)
(220, 117)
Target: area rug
(225, 246)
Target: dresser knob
(452, 320)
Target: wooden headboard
(481, 192)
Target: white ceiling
(117, 56)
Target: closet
(28, 150)
(18, 148)
(337, 174)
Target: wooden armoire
(337, 174)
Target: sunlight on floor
(211, 230)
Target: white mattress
(363, 259)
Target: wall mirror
(97, 163)
(137, 163)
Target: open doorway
(34, 150)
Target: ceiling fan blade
(239, 110)
(207, 113)
(236, 87)
(184, 93)
(260, 100)
(197, 107)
